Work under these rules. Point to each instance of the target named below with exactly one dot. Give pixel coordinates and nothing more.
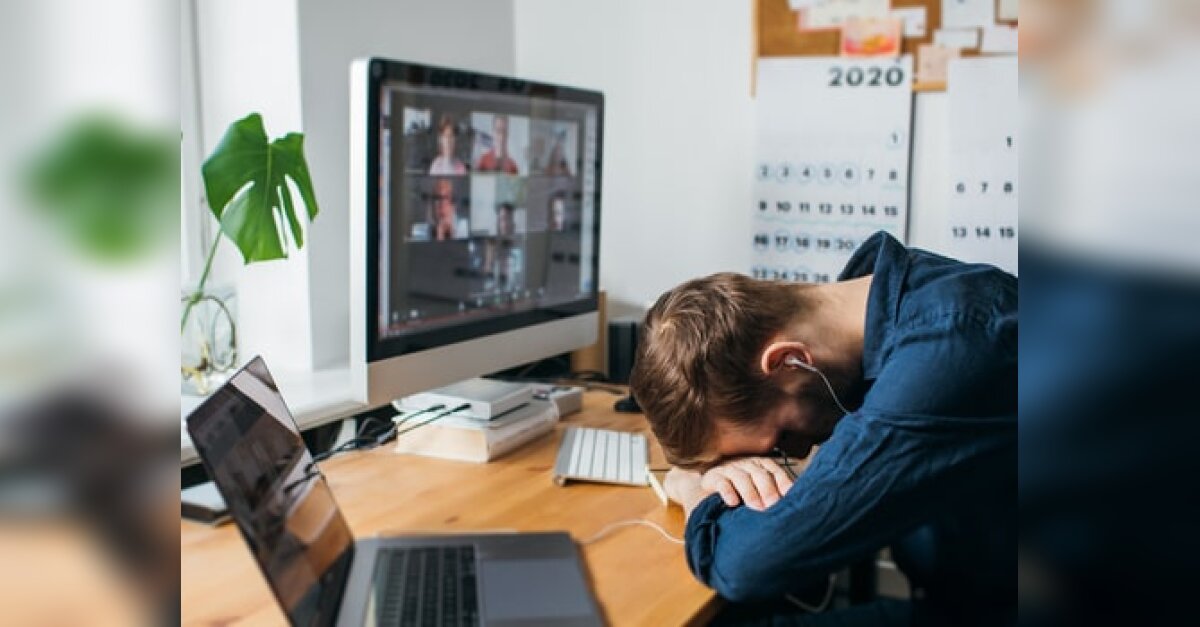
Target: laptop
(320, 575)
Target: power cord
(426, 422)
(628, 523)
(362, 440)
(399, 419)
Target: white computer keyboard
(587, 454)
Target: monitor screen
(486, 202)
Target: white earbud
(792, 360)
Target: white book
(464, 437)
(488, 398)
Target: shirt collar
(886, 258)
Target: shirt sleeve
(879, 476)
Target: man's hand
(683, 487)
(758, 482)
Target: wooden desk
(637, 576)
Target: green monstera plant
(246, 180)
(103, 185)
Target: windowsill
(314, 398)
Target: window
(195, 228)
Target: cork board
(777, 34)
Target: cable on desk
(358, 441)
(430, 420)
(363, 440)
(400, 419)
(627, 523)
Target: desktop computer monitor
(475, 224)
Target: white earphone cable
(818, 608)
(831, 392)
(795, 361)
(626, 523)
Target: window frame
(196, 228)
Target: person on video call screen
(558, 212)
(444, 212)
(446, 163)
(497, 158)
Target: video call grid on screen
(485, 205)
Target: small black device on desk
(628, 405)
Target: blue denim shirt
(927, 464)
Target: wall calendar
(982, 185)
(834, 137)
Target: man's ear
(776, 354)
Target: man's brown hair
(698, 358)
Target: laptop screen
(281, 503)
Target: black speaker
(622, 347)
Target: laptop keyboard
(427, 586)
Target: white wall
(249, 61)
(678, 137)
(468, 34)
(927, 204)
(679, 133)
(290, 59)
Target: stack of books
(465, 436)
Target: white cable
(831, 392)
(796, 361)
(817, 609)
(820, 607)
(625, 523)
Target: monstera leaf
(109, 187)
(246, 182)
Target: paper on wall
(968, 13)
(834, 13)
(932, 61)
(914, 20)
(962, 38)
(832, 161)
(999, 40)
(871, 37)
(1006, 11)
(982, 188)
(798, 5)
